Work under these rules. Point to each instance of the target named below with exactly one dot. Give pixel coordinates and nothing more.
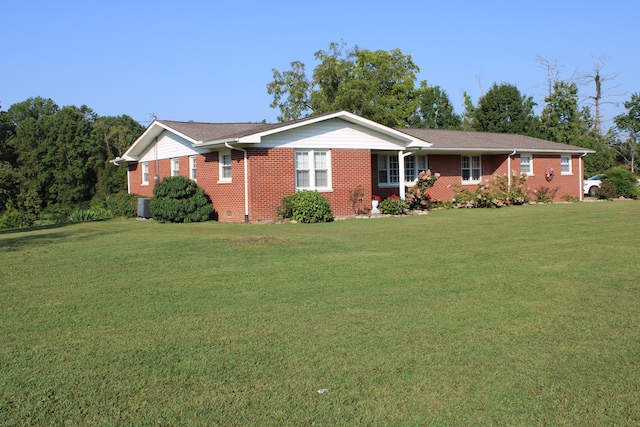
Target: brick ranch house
(246, 168)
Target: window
(565, 165)
(471, 169)
(192, 167)
(175, 167)
(413, 165)
(388, 169)
(526, 164)
(145, 173)
(224, 158)
(313, 170)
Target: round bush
(179, 199)
(622, 181)
(307, 207)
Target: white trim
(222, 167)
(175, 166)
(193, 168)
(471, 181)
(144, 171)
(310, 166)
(570, 171)
(530, 157)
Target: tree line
(382, 86)
(54, 160)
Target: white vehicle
(591, 185)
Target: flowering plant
(418, 196)
(376, 198)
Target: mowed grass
(518, 316)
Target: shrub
(121, 205)
(607, 191)
(360, 206)
(545, 194)
(12, 218)
(494, 193)
(393, 205)
(179, 199)
(306, 206)
(91, 214)
(418, 196)
(569, 198)
(623, 182)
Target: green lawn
(524, 315)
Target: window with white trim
(224, 159)
(313, 170)
(471, 169)
(565, 165)
(145, 173)
(388, 169)
(526, 164)
(175, 167)
(413, 165)
(192, 167)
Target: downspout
(246, 180)
(581, 177)
(156, 177)
(509, 169)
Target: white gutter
(246, 180)
(509, 169)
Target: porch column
(401, 189)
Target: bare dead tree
(595, 81)
(479, 78)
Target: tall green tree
(504, 109)
(379, 85)
(562, 120)
(114, 135)
(434, 109)
(629, 124)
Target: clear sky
(211, 60)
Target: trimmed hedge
(179, 199)
(306, 206)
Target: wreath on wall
(549, 174)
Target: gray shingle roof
(442, 140)
(465, 140)
(216, 131)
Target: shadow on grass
(19, 238)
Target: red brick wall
(272, 176)
(449, 168)
(566, 184)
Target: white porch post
(401, 175)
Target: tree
(114, 135)
(504, 109)
(596, 81)
(561, 119)
(629, 123)
(378, 85)
(291, 92)
(434, 109)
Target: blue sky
(211, 60)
